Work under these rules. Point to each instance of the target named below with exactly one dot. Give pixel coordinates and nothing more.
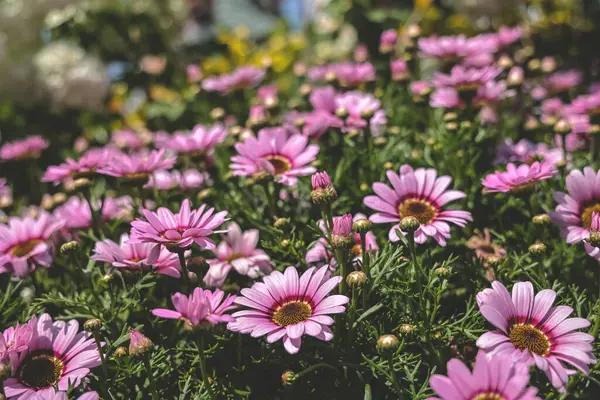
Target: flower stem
(155, 395)
(184, 270)
(203, 369)
(366, 268)
(393, 376)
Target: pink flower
(342, 226)
(452, 48)
(201, 309)
(518, 178)
(242, 78)
(563, 81)
(237, 251)
(188, 179)
(5, 194)
(507, 35)
(194, 73)
(129, 139)
(421, 194)
(445, 98)
(58, 355)
(526, 151)
(286, 307)
(399, 70)
(492, 378)
(532, 331)
(140, 256)
(275, 153)
(88, 165)
(13, 341)
(75, 213)
(321, 180)
(357, 104)
(349, 74)
(591, 249)
(466, 79)
(25, 243)
(575, 209)
(30, 147)
(324, 99)
(388, 40)
(178, 231)
(314, 124)
(201, 141)
(484, 248)
(257, 115)
(139, 344)
(267, 93)
(420, 88)
(138, 166)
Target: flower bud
(92, 325)
(361, 225)
(323, 191)
(515, 77)
(58, 199)
(79, 184)
(450, 116)
(367, 113)
(305, 89)
(531, 123)
(330, 77)
(139, 345)
(120, 352)
(562, 127)
(341, 112)
(288, 378)
(107, 278)
(388, 343)
(548, 64)
(271, 103)
(285, 243)
(299, 123)
(505, 62)
(413, 31)
(193, 278)
(281, 223)
(409, 224)
(537, 248)
(388, 165)
(69, 247)
(406, 329)
(541, 219)
(356, 279)
(534, 65)
(442, 272)
(47, 202)
(5, 370)
(451, 126)
(341, 234)
(217, 113)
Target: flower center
(527, 337)
(586, 214)
(488, 396)
(523, 188)
(138, 177)
(487, 249)
(420, 209)
(280, 164)
(234, 256)
(292, 313)
(356, 250)
(23, 249)
(40, 369)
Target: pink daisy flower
(445, 98)
(14, 340)
(138, 166)
(466, 79)
(63, 396)
(452, 48)
(399, 70)
(186, 180)
(313, 124)
(516, 179)
(356, 104)
(242, 78)
(323, 98)
(129, 139)
(30, 147)
(575, 209)
(267, 94)
(202, 309)
(75, 213)
(25, 243)
(492, 378)
(286, 307)
(507, 35)
(421, 194)
(201, 141)
(275, 153)
(594, 251)
(58, 354)
(563, 81)
(86, 166)
(237, 251)
(388, 40)
(194, 73)
(180, 230)
(349, 74)
(140, 256)
(531, 330)
(528, 152)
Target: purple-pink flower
(274, 152)
(88, 165)
(421, 194)
(129, 139)
(527, 152)
(388, 40)
(25, 243)
(6, 198)
(180, 230)
(138, 166)
(242, 78)
(30, 147)
(358, 105)
(237, 252)
(399, 70)
(286, 306)
(201, 310)
(201, 141)
(182, 180)
(531, 330)
(492, 378)
(75, 213)
(137, 256)
(466, 79)
(453, 48)
(563, 81)
(518, 178)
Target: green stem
(203, 369)
(351, 315)
(184, 270)
(313, 367)
(366, 268)
(155, 395)
(87, 195)
(393, 376)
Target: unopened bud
(548, 64)
(534, 65)
(47, 202)
(235, 130)
(409, 224)
(341, 112)
(388, 165)
(450, 116)
(531, 124)
(69, 247)
(217, 113)
(107, 278)
(442, 271)
(367, 114)
(406, 329)
(288, 378)
(204, 194)
(281, 223)
(285, 243)
(299, 123)
(451, 126)
(388, 343)
(80, 184)
(363, 187)
(330, 77)
(361, 225)
(413, 31)
(537, 248)
(505, 62)
(120, 352)
(5, 370)
(59, 198)
(562, 127)
(271, 103)
(541, 219)
(356, 279)
(139, 345)
(192, 277)
(305, 89)
(92, 325)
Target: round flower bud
(537, 248)
(330, 77)
(285, 243)
(562, 127)
(388, 343)
(594, 239)
(5, 370)
(531, 124)
(406, 329)
(281, 223)
(288, 377)
(541, 219)
(388, 165)
(361, 225)
(367, 114)
(451, 126)
(364, 187)
(299, 123)
(107, 278)
(442, 271)
(341, 112)
(271, 103)
(305, 89)
(204, 194)
(47, 202)
(356, 279)
(80, 184)
(548, 64)
(120, 352)
(235, 130)
(217, 113)
(413, 31)
(139, 345)
(450, 116)
(505, 62)
(493, 260)
(69, 247)
(534, 65)
(92, 325)
(409, 224)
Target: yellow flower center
(420, 209)
(292, 313)
(234, 256)
(40, 369)
(586, 214)
(527, 337)
(488, 396)
(356, 250)
(23, 249)
(280, 164)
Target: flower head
(453, 48)
(357, 105)
(139, 344)
(237, 252)
(57, 355)
(138, 166)
(242, 78)
(201, 141)
(25, 243)
(186, 180)
(531, 330)
(287, 307)
(527, 152)
(388, 40)
(88, 165)
(421, 194)
(13, 341)
(484, 247)
(75, 213)
(275, 153)
(399, 70)
(466, 79)
(180, 230)
(492, 378)
(202, 309)
(30, 147)
(140, 256)
(563, 81)
(519, 178)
